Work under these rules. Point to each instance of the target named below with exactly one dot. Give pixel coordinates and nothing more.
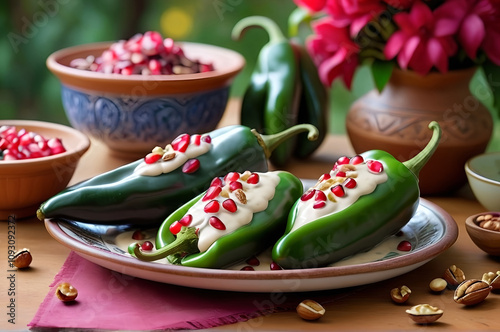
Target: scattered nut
(493, 279)
(471, 292)
(66, 293)
(438, 285)
(400, 295)
(310, 310)
(453, 276)
(424, 313)
(22, 259)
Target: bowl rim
(469, 222)
(112, 82)
(473, 172)
(80, 149)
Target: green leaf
(381, 73)
(492, 75)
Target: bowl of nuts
(483, 174)
(37, 160)
(143, 92)
(484, 230)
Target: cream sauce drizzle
(162, 166)
(258, 197)
(366, 183)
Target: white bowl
(483, 173)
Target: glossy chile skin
(358, 227)
(264, 229)
(122, 197)
(270, 103)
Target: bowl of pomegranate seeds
(145, 91)
(37, 160)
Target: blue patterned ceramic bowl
(132, 114)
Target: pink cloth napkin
(113, 301)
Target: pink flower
(400, 4)
(333, 51)
(480, 28)
(311, 5)
(425, 39)
(353, 13)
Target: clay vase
(396, 120)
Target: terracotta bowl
(24, 184)
(483, 174)
(132, 114)
(487, 240)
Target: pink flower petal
(491, 46)
(471, 35)
(394, 44)
(408, 50)
(420, 15)
(311, 5)
(437, 55)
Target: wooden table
(360, 308)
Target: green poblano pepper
(210, 214)
(123, 196)
(316, 237)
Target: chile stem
(416, 163)
(270, 142)
(185, 242)
(272, 29)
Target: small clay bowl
(486, 239)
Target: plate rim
(423, 255)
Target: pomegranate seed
(55, 145)
(154, 66)
(212, 192)
(274, 266)
(151, 158)
(247, 268)
(137, 58)
(4, 144)
(212, 207)
(168, 43)
(404, 246)
(196, 139)
(325, 177)
(127, 71)
(206, 139)
(229, 205)
(216, 182)
(253, 261)
(181, 143)
(343, 160)
(357, 160)
(320, 196)
(341, 174)
(147, 246)
(375, 166)
(253, 178)
(216, 223)
(138, 235)
(191, 166)
(175, 227)
(26, 139)
(232, 176)
(186, 220)
(152, 43)
(307, 195)
(109, 56)
(319, 205)
(338, 190)
(234, 185)
(350, 183)
(134, 43)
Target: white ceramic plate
(430, 232)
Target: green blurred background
(33, 29)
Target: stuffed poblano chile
(146, 191)
(238, 216)
(363, 200)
